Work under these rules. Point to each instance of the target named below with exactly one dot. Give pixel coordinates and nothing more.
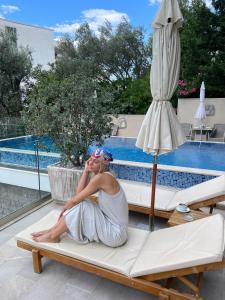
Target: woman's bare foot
(46, 238)
(39, 233)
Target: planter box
(63, 181)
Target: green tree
(115, 58)
(125, 54)
(78, 55)
(71, 111)
(197, 39)
(134, 95)
(114, 54)
(15, 65)
(216, 76)
(202, 46)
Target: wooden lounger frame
(143, 283)
(166, 214)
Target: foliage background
(119, 59)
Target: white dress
(105, 222)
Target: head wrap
(103, 154)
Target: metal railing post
(36, 143)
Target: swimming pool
(210, 156)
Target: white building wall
(187, 108)
(39, 40)
(133, 125)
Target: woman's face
(94, 164)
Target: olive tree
(15, 65)
(72, 111)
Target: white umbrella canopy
(200, 113)
(161, 131)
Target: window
(11, 32)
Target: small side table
(177, 218)
(202, 131)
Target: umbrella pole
(154, 175)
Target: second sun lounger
(169, 253)
(207, 193)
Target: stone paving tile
(108, 290)
(84, 281)
(132, 294)
(71, 292)
(15, 287)
(213, 285)
(4, 237)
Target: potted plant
(73, 112)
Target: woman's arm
(90, 189)
(84, 179)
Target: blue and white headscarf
(103, 154)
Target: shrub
(71, 111)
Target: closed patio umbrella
(200, 113)
(161, 131)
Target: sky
(65, 16)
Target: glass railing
(11, 127)
(23, 177)
(26, 153)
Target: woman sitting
(104, 220)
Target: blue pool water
(192, 154)
(28, 143)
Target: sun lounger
(207, 193)
(218, 133)
(174, 252)
(187, 129)
(115, 129)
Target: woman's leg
(53, 236)
(39, 233)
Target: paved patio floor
(59, 282)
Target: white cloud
(154, 2)
(94, 17)
(66, 28)
(99, 16)
(209, 4)
(8, 9)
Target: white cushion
(187, 245)
(118, 259)
(138, 193)
(167, 198)
(199, 192)
(182, 246)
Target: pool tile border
(172, 178)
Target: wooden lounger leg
(199, 281)
(163, 296)
(169, 282)
(195, 287)
(36, 261)
(175, 295)
(211, 208)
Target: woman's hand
(86, 168)
(61, 214)
(69, 204)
